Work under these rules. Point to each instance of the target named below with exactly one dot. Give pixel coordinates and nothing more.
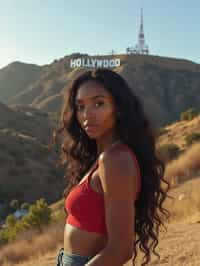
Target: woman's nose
(88, 112)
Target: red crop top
(85, 206)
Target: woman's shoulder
(118, 158)
(116, 169)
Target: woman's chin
(92, 135)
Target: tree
(14, 204)
(10, 220)
(25, 206)
(188, 114)
(39, 215)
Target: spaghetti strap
(92, 171)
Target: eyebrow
(94, 97)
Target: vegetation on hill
(25, 132)
(38, 216)
(166, 86)
(25, 158)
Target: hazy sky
(35, 31)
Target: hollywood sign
(92, 62)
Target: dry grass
(185, 203)
(185, 167)
(32, 245)
(176, 132)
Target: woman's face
(95, 110)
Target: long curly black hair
(78, 153)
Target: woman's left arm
(118, 177)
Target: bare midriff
(82, 242)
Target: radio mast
(140, 47)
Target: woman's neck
(101, 147)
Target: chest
(94, 181)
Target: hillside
(15, 77)
(183, 227)
(176, 132)
(28, 169)
(166, 86)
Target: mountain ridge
(166, 86)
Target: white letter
(78, 62)
(88, 62)
(117, 62)
(73, 63)
(99, 63)
(112, 63)
(93, 62)
(105, 63)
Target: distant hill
(166, 86)
(15, 77)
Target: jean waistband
(66, 258)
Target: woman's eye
(81, 107)
(99, 104)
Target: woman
(110, 152)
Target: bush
(25, 206)
(168, 152)
(11, 220)
(14, 205)
(189, 114)
(39, 215)
(191, 138)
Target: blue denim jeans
(71, 259)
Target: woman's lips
(90, 127)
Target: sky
(35, 31)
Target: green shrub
(188, 114)
(14, 204)
(10, 220)
(191, 138)
(25, 206)
(168, 152)
(39, 215)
